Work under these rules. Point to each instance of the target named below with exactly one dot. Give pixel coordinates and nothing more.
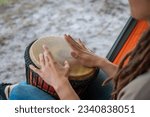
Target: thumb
(74, 54)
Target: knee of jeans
(17, 92)
(25, 92)
(22, 91)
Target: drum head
(61, 52)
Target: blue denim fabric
(95, 91)
(23, 91)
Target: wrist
(101, 62)
(108, 67)
(61, 83)
(65, 91)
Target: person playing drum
(125, 78)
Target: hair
(138, 63)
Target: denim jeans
(95, 91)
(24, 91)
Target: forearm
(108, 67)
(66, 92)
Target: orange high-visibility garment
(131, 40)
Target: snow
(96, 22)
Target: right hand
(82, 54)
(52, 72)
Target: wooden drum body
(79, 76)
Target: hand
(52, 72)
(83, 54)
(88, 58)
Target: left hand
(85, 56)
(52, 72)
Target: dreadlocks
(138, 63)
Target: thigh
(24, 91)
(96, 91)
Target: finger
(66, 65)
(47, 52)
(42, 61)
(75, 43)
(46, 60)
(82, 44)
(79, 42)
(74, 54)
(36, 70)
(47, 55)
(72, 43)
(75, 46)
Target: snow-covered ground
(96, 22)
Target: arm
(88, 58)
(55, 75)
(66, 92)
(108, 67)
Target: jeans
(24, 91)
(94, 91)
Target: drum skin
(79, 76)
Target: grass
(3, 2)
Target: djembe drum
(79, 75)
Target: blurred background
(96, 22)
